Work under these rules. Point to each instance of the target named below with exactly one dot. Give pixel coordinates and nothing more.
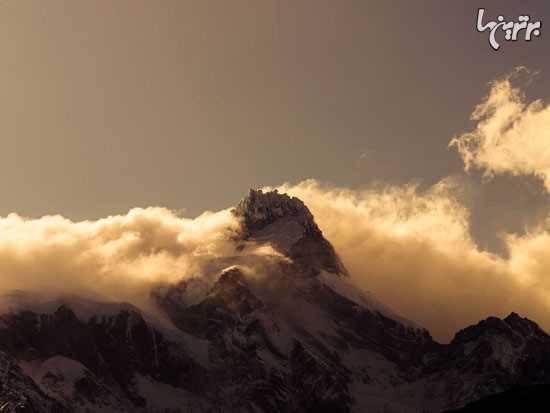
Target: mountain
(281, 329)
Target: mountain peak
(286, 224)
(513, 316)
(512, 326)
(66, 314)
(259, 209)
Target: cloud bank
(116, 258)
(413, 251)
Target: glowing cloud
(115, 258)
(413, 251)
(512, 136)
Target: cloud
(413, 251)
(512, 136)
(116, 258)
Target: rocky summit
(287, 225)
(301, 339)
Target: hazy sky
(109, 105)
(112, 105)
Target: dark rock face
(501, 354)
(318, 386)
(19, 393)
(259, 209)
(363, 328)
(248, 363)
(240, 330)
(110, 350)
(294, 342)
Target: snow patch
(281, 234)
(55, 376)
